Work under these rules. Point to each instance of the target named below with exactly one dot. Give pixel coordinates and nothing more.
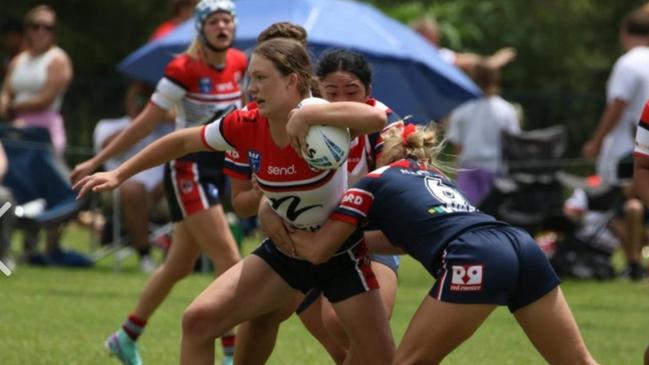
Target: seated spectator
(38, 78)
(139, 193)
(475, 129)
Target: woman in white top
(37, 78)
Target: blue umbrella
(409, 76)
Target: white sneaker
(147, 264)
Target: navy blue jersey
(418, 209)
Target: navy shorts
(192, 183)
(391, 261)
(345, 275)
(493, 265)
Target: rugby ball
(327, 146)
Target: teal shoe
(121, 346)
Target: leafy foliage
(565, 51)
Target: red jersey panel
(300, 194)
(642, 135)
(200, 90)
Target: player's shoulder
(181, 68)
(236, 58)
(248, 115)
(235, 54)
(182, 61)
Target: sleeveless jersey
(303, 196)
(642, 134)
(199, 90)
(418, 210)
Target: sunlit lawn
(62, 316)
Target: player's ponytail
(411, 141)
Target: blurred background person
(626, 92)
(37, 78)
(139, 193)
(475, 130)
(429, 28)
(181, 10)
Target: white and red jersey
(365, 150)
(199, 90)
(642, 134)
(303, 196)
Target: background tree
(565, 51)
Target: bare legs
(254, 283)
(439, 327)
(190, 237)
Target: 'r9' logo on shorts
(466, 275)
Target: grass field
(58, 316)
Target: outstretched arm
(608, 121)
(141, 126)
(169, 147)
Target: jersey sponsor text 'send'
(300, 194)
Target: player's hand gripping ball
(327, 146)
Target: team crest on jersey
(205, 85)
(466, 277)
(254, 158)
(186, 186)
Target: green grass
(58, 316)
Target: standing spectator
(140, 192)
(12, 41)
(181, 10)
(475, 129)
(428, 28)
(626, 92)
(37, 78)
(199, 84)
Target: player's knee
(196, 321)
